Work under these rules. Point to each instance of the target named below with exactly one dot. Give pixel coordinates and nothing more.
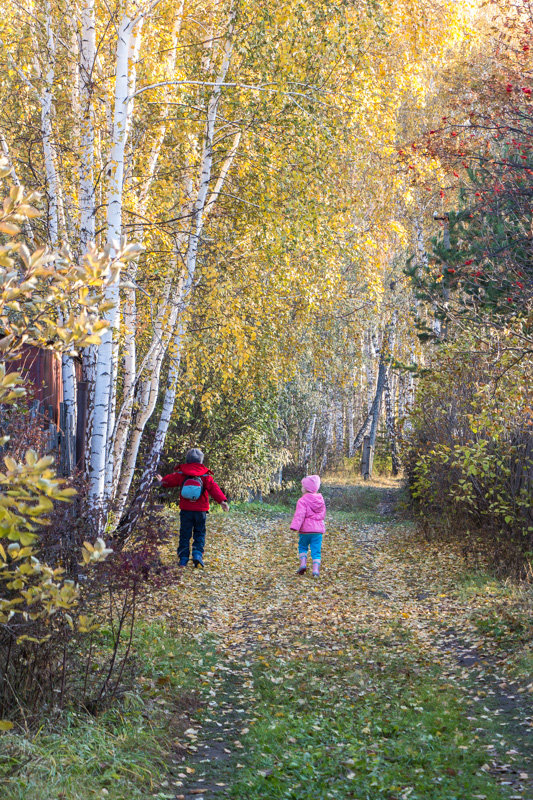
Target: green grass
(356, 504)
(502, 612)
(385, 729)
(267, 508)
(121, 753)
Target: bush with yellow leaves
(46, 300)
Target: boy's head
(311, 483)
(194, 456)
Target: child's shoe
(316, 569)
(183, 562)
(303, 565)
(198, 561)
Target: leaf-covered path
(391, 677)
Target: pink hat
(311, 483)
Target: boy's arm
(173, 479)
(216, 492)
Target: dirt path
(378, 584)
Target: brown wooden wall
(43, 369)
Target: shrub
(470, 462)
(48, 301)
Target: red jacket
(210, 487)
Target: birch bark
(329, 440)
(387, 348)
(391, 426)
(55, 206)
(198, 216)
(104, 377)
(145, 392)
(349, 422)
(370, 353)
(87, 204)
(132, 58)
(308, 443)
(339, 429)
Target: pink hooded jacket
(310, 508)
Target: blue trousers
(312, 540)
(192, 523)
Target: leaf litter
(383, 589)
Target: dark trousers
(192, 523)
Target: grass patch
(502, 613)
(268, 508)
(385, 729)
(123, 752)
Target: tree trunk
(329, 441)
(387, 347)
(103, 389)
(130, 518)
(391, 427)
(369, 359)
(339, 430)
(308, 443)
(351, 431)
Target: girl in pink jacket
(308, 520)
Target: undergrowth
(122, 752)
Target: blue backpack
(192, 487)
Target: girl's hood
(314, 501)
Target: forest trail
(390, 633)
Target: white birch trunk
(350, 426)
(47, 134)
(87, 204)
(387, 349)
(213, 197)
(308, 443)
(133, 56)
(197, 222)
(104, 363)
(391, 425)
(339, 429)
(370, 355)
(147, 389)
(423, 260)
(53, 190)
(329, 440)
(145, 400)
(86, 192)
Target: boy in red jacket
(197, 483)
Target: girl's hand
(158, 478)
(225, 506)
